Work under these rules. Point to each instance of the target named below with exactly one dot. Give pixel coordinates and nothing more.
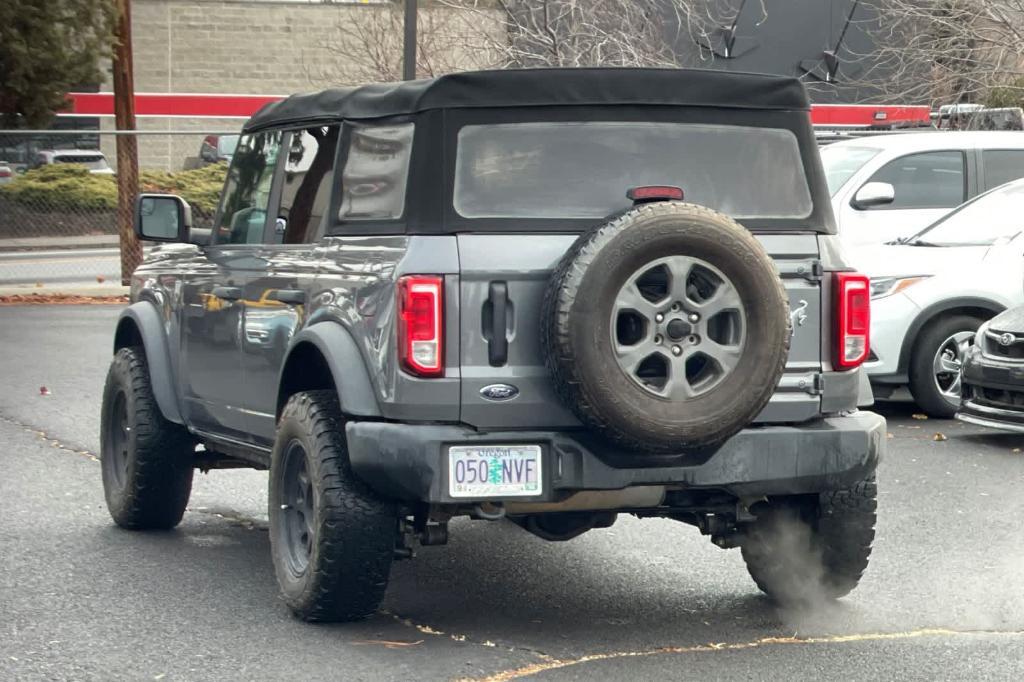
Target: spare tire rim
(678, 327)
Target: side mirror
(162, 218)
(874, 194)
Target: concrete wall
(262, 47)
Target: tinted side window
(375, 174)
(306, 187)
(247, 191)
(926, 180)
(1002, 165)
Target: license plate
(494, 471)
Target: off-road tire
(922, 378)
(148, 480)
(801, 552)
(354, 530)
(577, 338)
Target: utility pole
(409, 41)
(127, 145)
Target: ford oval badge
(499, 392)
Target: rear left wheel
(332, 538)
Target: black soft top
(539, 87)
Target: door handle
(497, 341)
(227, 293)
(290, 296)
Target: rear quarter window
(571, 170)
(1002, 166)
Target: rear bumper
(409, 462)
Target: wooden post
(127, 145)
(409, 41)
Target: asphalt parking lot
(646, 599)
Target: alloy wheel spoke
(630, 357)
(946, 365)
(630, 298)
(725, 298)
(678, 387)
(679, 268)
(727, 357)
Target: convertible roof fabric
(536, 88)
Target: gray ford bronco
(546, 296)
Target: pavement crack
(467, 639)
(44, 436)
(555, 664)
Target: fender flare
(347, 366)
(933, 311)
(147, 321)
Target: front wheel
(332, 539)
(146, 461)
(935, 365)
(811, 549)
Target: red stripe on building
(244, 106)
(170, 104)
(868, 114)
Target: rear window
(90, 161)
(568, 170)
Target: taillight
(421, 324)
(641, 195)
(853, 319)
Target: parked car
(891, 186)
(993, 374)
(6, 173)
(932, 293)
(92, 159)
(218, 148)
(508, 310)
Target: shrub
(200, 187)
(63, 187)
(69, 187)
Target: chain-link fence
(58, 197)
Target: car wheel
(332, 538)
(800, 552)
(935, 364)
(666, 328)
(145, 460)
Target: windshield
(983, 221)
(560, 170)
(841, 162)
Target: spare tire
(666, 328)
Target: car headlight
(887, 286)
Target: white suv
(887, 187)
(930, 295)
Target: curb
(57, 244)
(94, 291)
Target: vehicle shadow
(494, 583)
